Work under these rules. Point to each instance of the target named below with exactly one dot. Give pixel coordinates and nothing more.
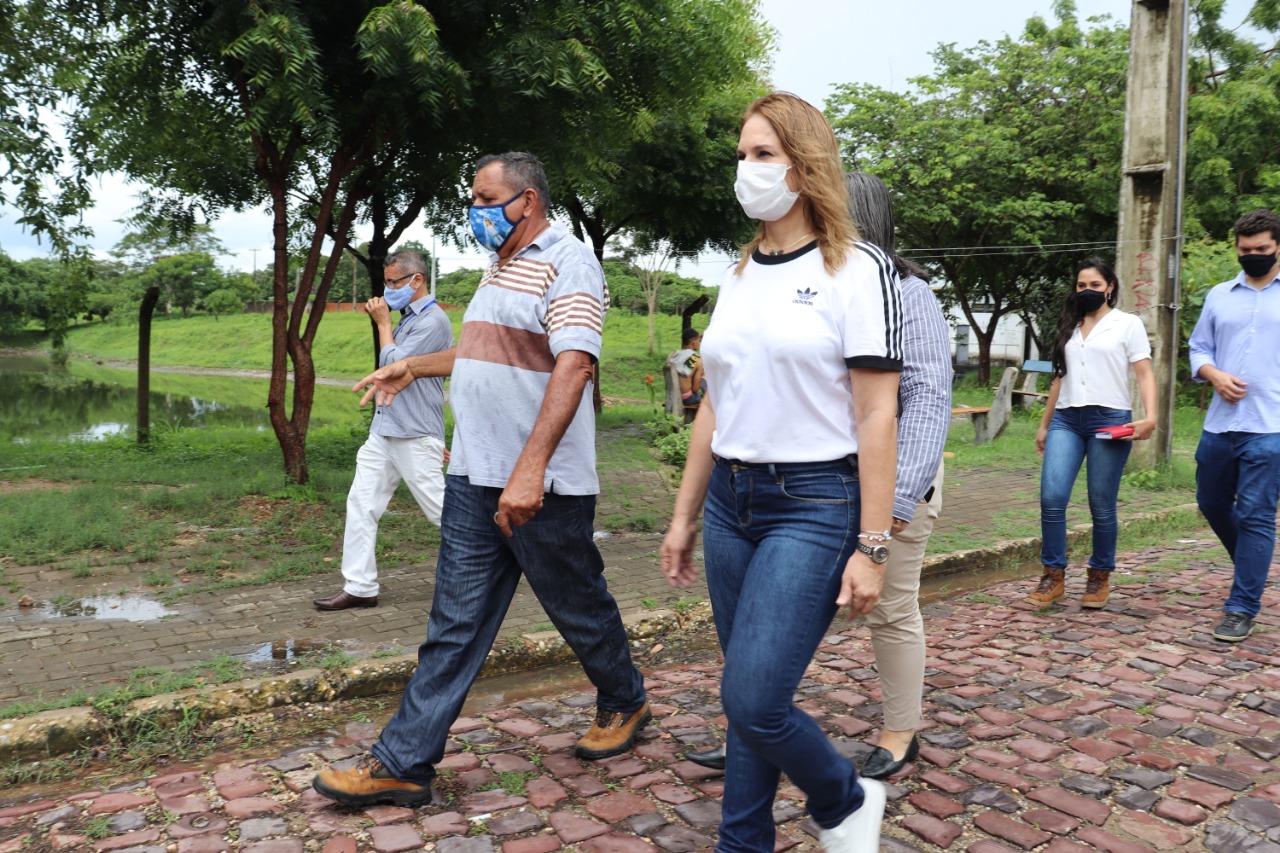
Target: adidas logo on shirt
(805, 297)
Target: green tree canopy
(339, 111)
(1004, 162)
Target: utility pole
(1149, 247)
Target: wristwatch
(878, 553)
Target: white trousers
(380, 466)
(897, 628)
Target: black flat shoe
(713, 758)
(880, 763)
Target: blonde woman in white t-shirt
(1095, 348)
(793, 456)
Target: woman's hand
(1142, 429)
(677, 553)
(861, 585)
(1042, 435)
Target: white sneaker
(860, 831)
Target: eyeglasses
(395, 282)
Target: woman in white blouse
(793, 456)
(1095, 348)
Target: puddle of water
(131, 608)
(287, 651)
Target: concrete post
(1149, 247)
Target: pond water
(87, 401)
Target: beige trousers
(897, 629)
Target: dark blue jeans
(476, 577)
(1069, 443)
(1237, 486)
(776, 540)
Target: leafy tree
(457, 287)
(334, 112)
(1004, 162)
(1233, 145)
(15, 297)
(184, 279)
(58, 290)
(224, 300)
(43, 176)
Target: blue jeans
(776, 540)
(476, 577)
(1069, 443)
(1237, 486)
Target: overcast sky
(820, 44)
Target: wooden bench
(990, 421)
(1032, 369)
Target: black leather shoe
(880, 764)
(343, 600)
(713, 758)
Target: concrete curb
(52, 733)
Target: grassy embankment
(342, 352)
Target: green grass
(343, 349)
(142, 683)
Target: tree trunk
(293, 447)
(652, 299)
(145, 311)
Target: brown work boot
(1097, 591)
(613, 733)
(1053, 585)
(368, 783)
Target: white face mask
(762, 190)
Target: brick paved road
(1124, 730)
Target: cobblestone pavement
(1123, 730)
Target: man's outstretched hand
(385, 383)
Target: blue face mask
(399, 298)
(490, 224)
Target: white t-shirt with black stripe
(779, 347)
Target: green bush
(670, 437)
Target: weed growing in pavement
(155, 577)
(98, 827)
(513, 781)
(683, 605)
(17, 773)
(80, 568)
(649, 603)
(541, 626)
(142, 683)
(331, 658)
(388, 653)
(983, 598)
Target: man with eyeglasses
(405, 443)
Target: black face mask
(1088, 301)
(1256, 266)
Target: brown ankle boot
(1053, 585)
(1098, 590)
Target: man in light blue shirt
(405, 444)
(1233, 348)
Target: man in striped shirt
(521, 489)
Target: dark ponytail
(1071, 315)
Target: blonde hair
(810, 144)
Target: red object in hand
(1114, 432)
